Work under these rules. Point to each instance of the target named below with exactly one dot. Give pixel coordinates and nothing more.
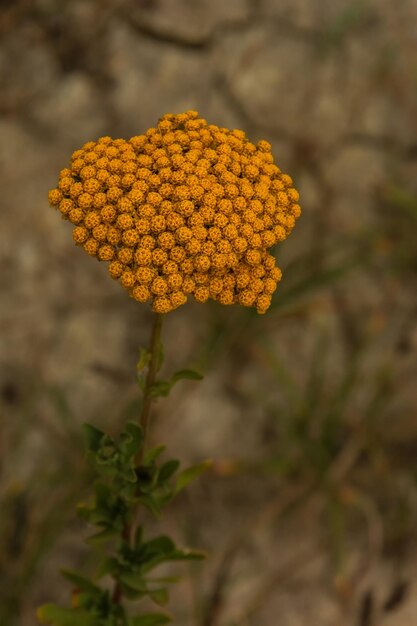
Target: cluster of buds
(187, 208)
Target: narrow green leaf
(83, 584)
(176, 555)
(187, 554)
(141, 367)
(58, 616)
(150, 619)
(164, 498)
(190, 474)
(153, 454)
(108, 452)
(161, 356)
(161, 545)
(149, 502)
(93, 437)
(187, 374)
(103, 494)
(135, 581)
(141, 380)
(167, 470)
(144, 358)
(159, 596)
(93, 515)
(131, 594)
(128, 474)
(104, 535)
(132, 439)
(161, 388)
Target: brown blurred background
(309, 412)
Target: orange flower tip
(54, 197)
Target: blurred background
(309, 412)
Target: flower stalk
(154, 354)
(155, 347)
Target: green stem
(154, 351)
(144, 419)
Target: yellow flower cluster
(186, 208)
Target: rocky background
(309, 413)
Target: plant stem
(154, 351)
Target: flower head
(187, 208)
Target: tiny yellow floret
(187, 208)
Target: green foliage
(132, 564)
(163, 387)
(189, 475)
(59, 616)
(115, 457)
(142, 367)
(128, 476)
(124, 484)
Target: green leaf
(159, 596)
(153, 454)
(103, 494)
(149, 502)
(135, 581)
(104, 535)
(108, 451)
(167, 470)
(93, 437)
(190, 474)
(187, 554)
(162, 499)
(161, 545)
(144, 359)
(93, 515)
(59, 616)
(131, 440)
(150, 619)
(128, 474)
(163, 387)
(186, 375)
(83, 584)
(141, 367)
(176, 555)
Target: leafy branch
(129, 477)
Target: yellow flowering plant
(186, 209)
